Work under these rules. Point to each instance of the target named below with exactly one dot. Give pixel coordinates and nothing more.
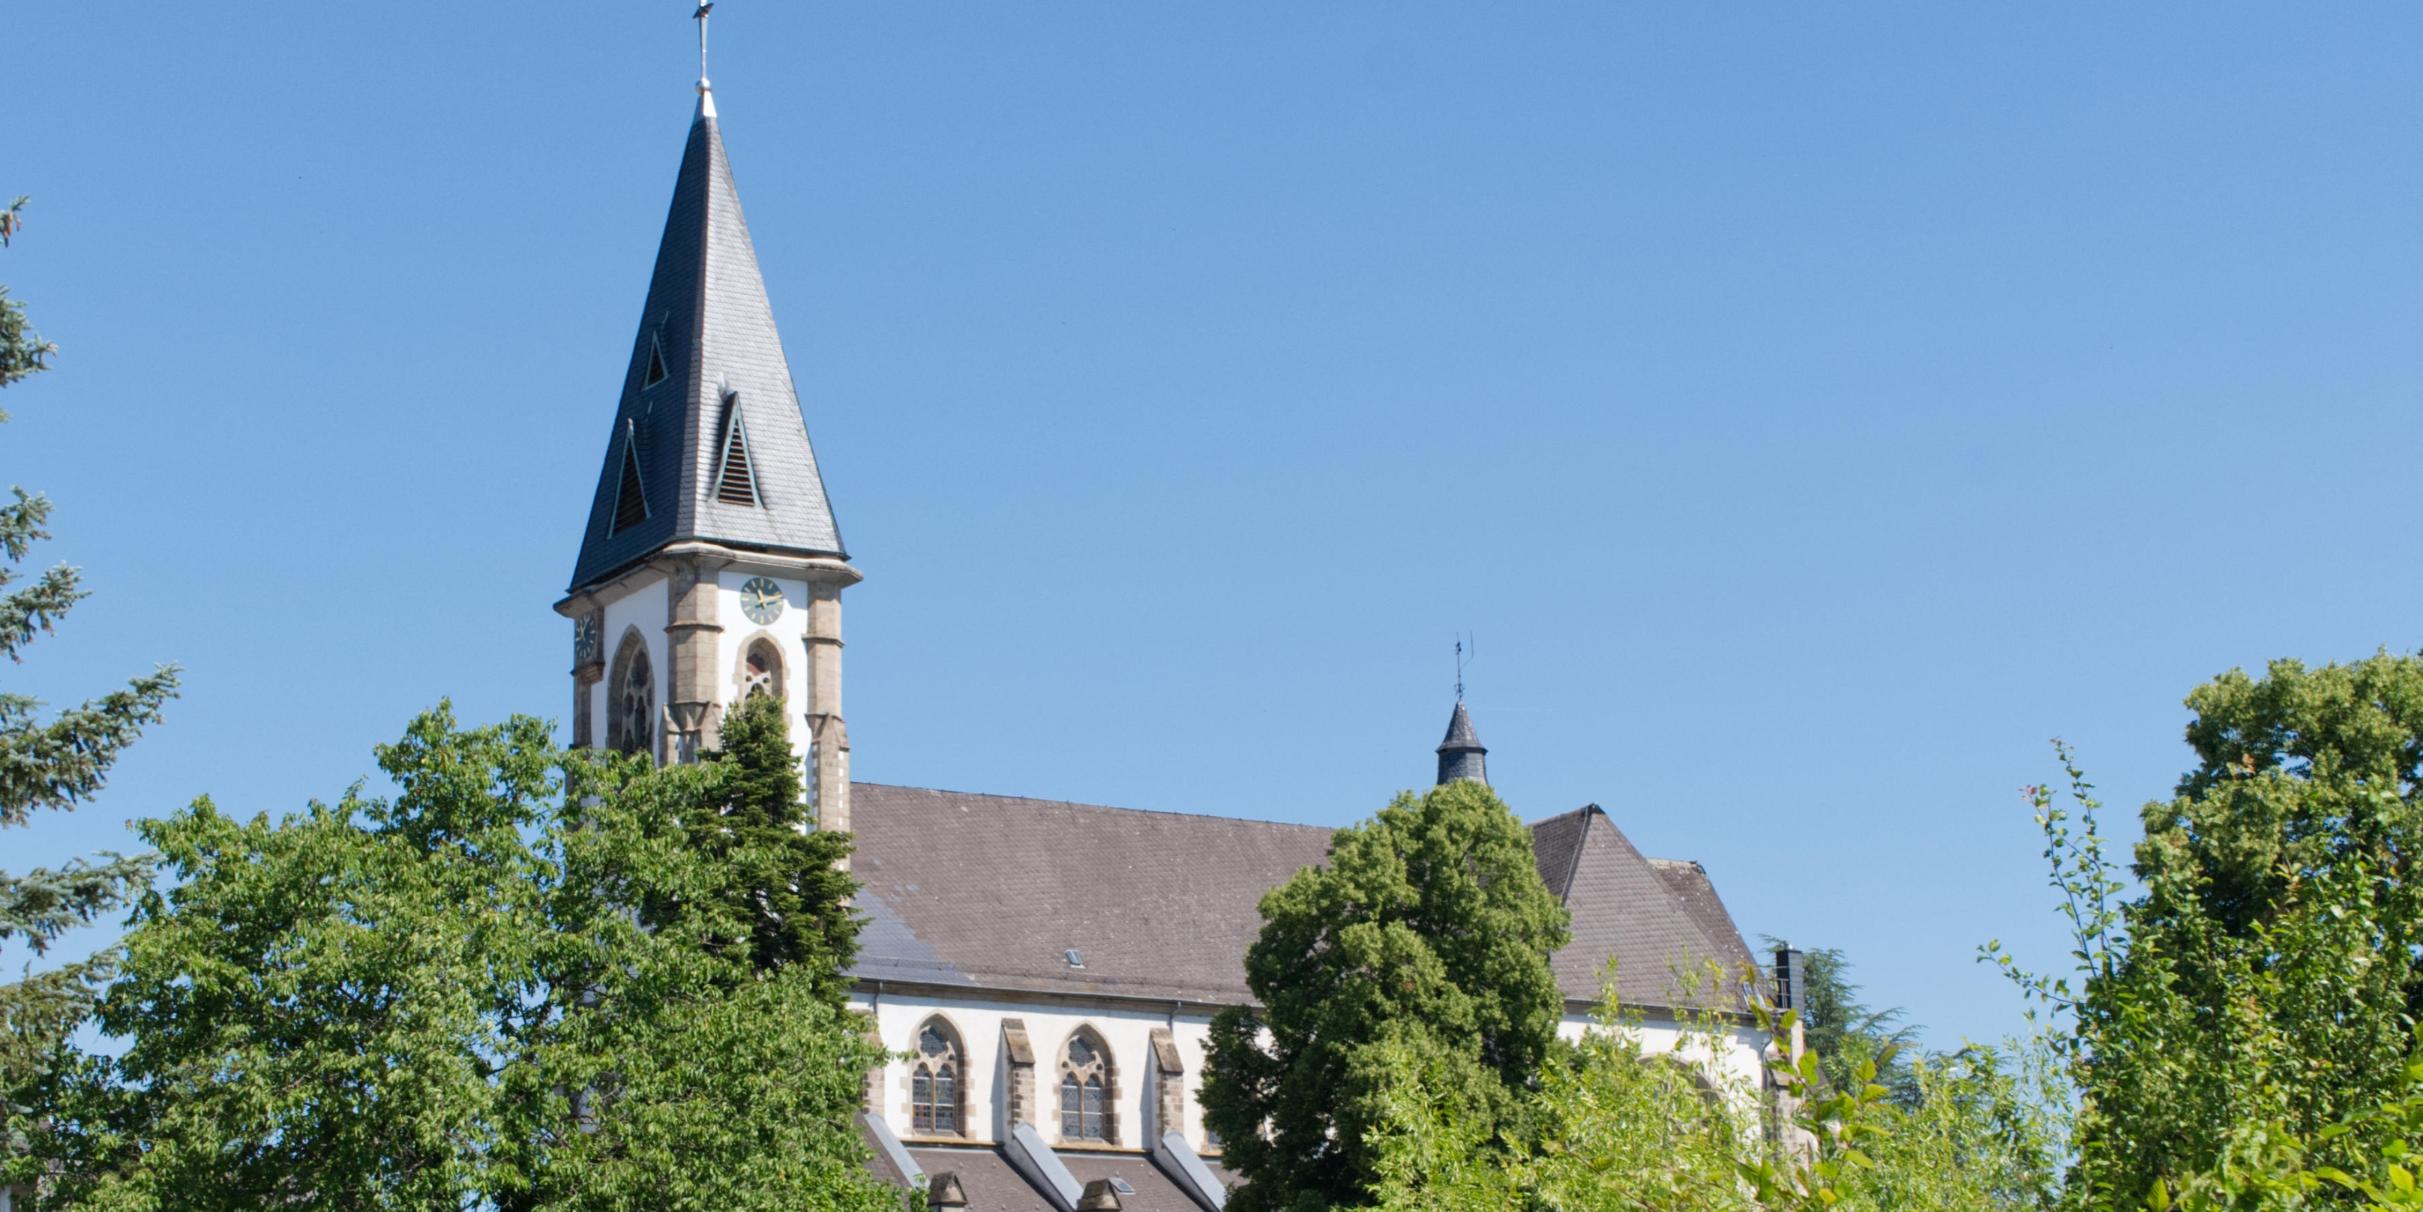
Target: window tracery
(761, 671)
(631, 706)
(934, 1081)
(1085, 1089)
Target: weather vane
(1460, 661)
(701, 17)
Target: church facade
(1044, 972)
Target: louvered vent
(630, 495)
(656, 363)
(735, 480)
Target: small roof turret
(1461, 754)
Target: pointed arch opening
(631, 698)
(1089, 1089)
(761, 669)
(937, 1081)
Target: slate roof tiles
(989, 891)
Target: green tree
(54, 763)
(786, 881)
(1846, 1031)
(1617, 1125)
(2264, 977)
(1423, 943)
(454, 997)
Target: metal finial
(701, 17)
(1459, 666)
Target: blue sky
(1812, 409)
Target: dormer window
(735, 476)
(630, 492)
(656, 363)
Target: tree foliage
(784, 880)
(1846, 1031)
(457, 997)
(52, 763)
(1619, 1123)
(2264, 979)
(1424, 942)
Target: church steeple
(708, 442)
(1461, 754)
(711, 569)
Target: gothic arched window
(761, 670)
(934, 1081)
(1086, 1090)
(631, 699)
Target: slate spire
(708, 429)
(1460, 755)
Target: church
(1044, 973)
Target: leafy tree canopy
(1424, 941)
(2265, 976)
(461, 996)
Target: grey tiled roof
(1625, 911)
(992, 1185)
(990, 891)
(1689, 883)
(1459, 732)
(707, 310)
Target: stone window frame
(630, 656)
(776, 680)
(1103, 1071)
(957, 1058)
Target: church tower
(711, 569)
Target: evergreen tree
(785, 880)
(54, 763)
(1422, 945)
(1848, 1032)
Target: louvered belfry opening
(630, 495)
(735, 480)
(656, 362)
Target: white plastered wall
(1730, 1056)
(788, 631)
(1730, 1059)
(1126, 1032)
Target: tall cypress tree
(55, 763)
(787, 880)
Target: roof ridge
(1581, 844)
(1033, 799)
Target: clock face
(584, 638)
(761, 600)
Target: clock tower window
(631, 707)
(761, 671)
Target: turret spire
(1461, 754)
